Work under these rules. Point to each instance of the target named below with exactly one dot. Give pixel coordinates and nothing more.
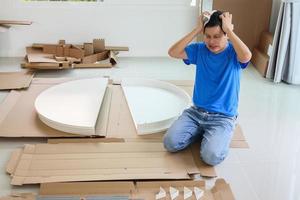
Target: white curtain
(284, 64)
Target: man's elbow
(172, 53)
(246, 57)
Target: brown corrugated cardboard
(260, 61)
(45, 65)
(115, 48)
(59, 51)
(204, 169)
(42, 163)
(95, 65)
(76, 52)
(15, 80)
(88, 54)
(41, 58)
(140, 190)
(99, 45)
(266, 39)
(88, 188)
(247, 25)
(91, 59)
(18, 108)
(108, 48)
(88, 49)
(49, 49)
(116, 119)
(84, 140)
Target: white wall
(147, 27)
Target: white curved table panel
(72, 107)
(153, 104)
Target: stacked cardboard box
(65, 56)
(260, 57)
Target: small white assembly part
(187, 193)
(174, 193)
(198, 193)
(161, 194)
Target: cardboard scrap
(15, 80)
(42, 163)
(84, 56)
(260, 57)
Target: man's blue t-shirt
(217, 81)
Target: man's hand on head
(227, 25)
(202, 19)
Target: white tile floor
(269, 116)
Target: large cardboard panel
(88, 188)
(44, 163)
(114, 121)
(15, 80)
(140, 190)
(266, 39)
(260, 61)
(247, 25)
(18, 108)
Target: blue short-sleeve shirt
(217, 81)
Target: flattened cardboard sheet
(41, 58)
(15, 80)
(18, 108)
(140, 190)
(44, 163)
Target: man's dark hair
(215, 20)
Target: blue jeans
(214, 130)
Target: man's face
(215, 39)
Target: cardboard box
(43, 163)
(260, 61)
(15, 80)
(266, 39)
(247, 25)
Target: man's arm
(243, 53)
(177, 50)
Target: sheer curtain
(284, 64)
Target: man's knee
(172, 144)
(211, 157)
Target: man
(216, 91)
